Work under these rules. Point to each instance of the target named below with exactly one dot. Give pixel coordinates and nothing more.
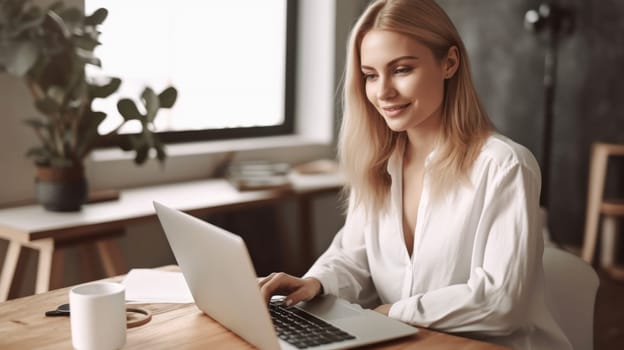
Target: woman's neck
(421, 140)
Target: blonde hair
(366, 143)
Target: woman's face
(403, 80)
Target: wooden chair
(597, 205)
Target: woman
(442, 229)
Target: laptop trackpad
(329, 307)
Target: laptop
(221, 277)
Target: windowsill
(213, 147)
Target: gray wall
(507, 63)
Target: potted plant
(49, 49)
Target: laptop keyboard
(303, 330)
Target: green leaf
(41, 155)
(37, 151)
(147, 136)
(10, 9)
(151, 103)
(137, 142)
(47, 106)
(74, 103)
(125, 143)
(21, 58)
(128, 109)
(59, 162)
(141, 155)
(168, 97)
(102, 91)
(36, 123)
(56, 6)
(30, 21)
(161, 155)
(89, 131)
(67, 137)
(56, 94)
(86, 42)
(56, 24)
(71, 16)
(96, 17)
(87, 56)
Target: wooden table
(101, 223)
(173, 326)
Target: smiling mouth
(392, 111)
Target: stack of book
(259, 175)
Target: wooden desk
(101, 223)
(173, 326)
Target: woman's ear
(451, 63)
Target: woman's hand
(383, 309)
(295, 289)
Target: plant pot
(61, 189)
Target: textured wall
(507, 64)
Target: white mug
(98, 316)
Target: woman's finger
(263, 280)
(279, 283)
(301, 294)
(308, 290)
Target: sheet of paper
(153, 286)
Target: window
(231, 61)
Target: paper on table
(153, 286)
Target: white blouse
(476, 266)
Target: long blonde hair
(366, 143)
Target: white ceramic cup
(98, 316)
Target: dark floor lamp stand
(552, 22)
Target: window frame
(283, 129)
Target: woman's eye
(369, 76)
(402, 70)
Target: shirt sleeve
(506, 256)
(343, 268)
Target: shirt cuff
(396, 310)
(328, 280)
